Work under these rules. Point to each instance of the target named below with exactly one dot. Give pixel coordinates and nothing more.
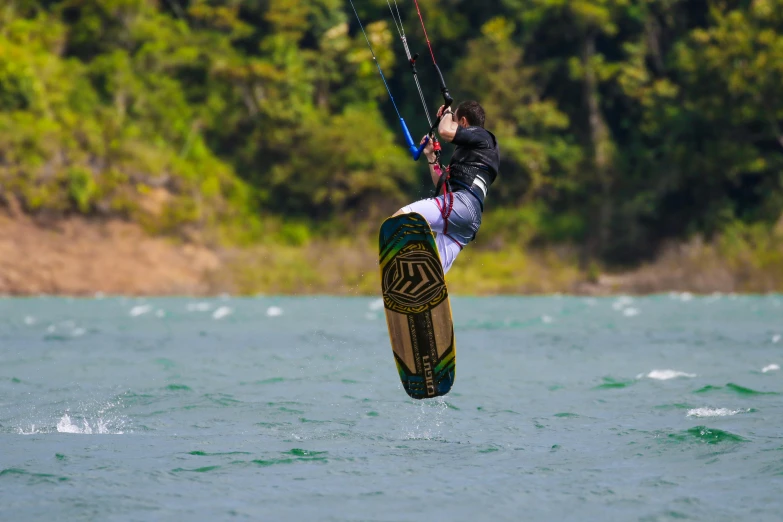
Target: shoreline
(82, 257)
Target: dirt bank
(75, 256)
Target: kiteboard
(416, 301)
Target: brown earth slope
(75, 256)
(81, 257)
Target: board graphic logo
(414, 281)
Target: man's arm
(432, 159)
(435, 170)
(447, 128)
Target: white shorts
(461, 228)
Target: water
(564, 408)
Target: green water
(564, 408)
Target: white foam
(428, 421)
(376, 305)
(29, 320)
(66, 328)
(198, 307)
(547, 319)
(714, 298)
(160, 313)
(712, 412)
(686, 296)
(776, 339)
(274, 311)
(31, 431)
(631, 312)
(140, 310)
(67, 426)
(665, 375)
(98, 427)
(622, 302)
(770, 368)
(222, 312)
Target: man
(456, 217)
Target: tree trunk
(602, 151)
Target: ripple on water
(733, 388)
(674, 406)
(271, 380)
(204, 469)
(610, 383)
(259, 420)
(32, 478)
(177, 387)
(291, 457)
(219, 454)
(706, 435)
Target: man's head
(470, 114)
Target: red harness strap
(448, 198)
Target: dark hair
(473, 112)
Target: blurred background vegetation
(625, 125)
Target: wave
(223, 311)
(713, 412)
(610, 384)
(34, 478)
(706, 435)
(665, 375)
(735, 388)
(287, 457)
(177, 387)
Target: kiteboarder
(454, 213)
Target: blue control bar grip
(417, 154)
(414, 150)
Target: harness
(444, 184)
(471, 192)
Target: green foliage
(82, 188)
(622, 124)
(84, 134)
(294, 234)
(753, 248)
(336, 171)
